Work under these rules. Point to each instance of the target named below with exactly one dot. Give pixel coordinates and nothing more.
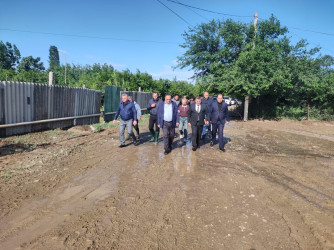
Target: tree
(224, 59)
(213, 45)
(9, 55)
(53, 57)
(29, 63)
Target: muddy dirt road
(273, 188)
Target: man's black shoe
(222, 149)
(122, 146)
(194, 148)
(211, 144)
(167, 151)
(136, 143)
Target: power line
(318, 45)
(307, 39)
(175, 13)
(307, 30)
(196, 13)
(226, 14)
(86, 36)
(211, 11)
(313, 31)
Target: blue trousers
(204, 129)
(220, 127)
(183, 126)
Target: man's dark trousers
(169, 133)
(152, 121)
(196, 134)
(220, 126)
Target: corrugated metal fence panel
(97, 109)
(111, 101)
(141, 98)
(24, 102)
(18, 107)
(56, 105)
(40, 106)
(2, 103)
(112, 98)
(80, 103)
(2, 108)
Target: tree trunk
(308, 111)
(246, 108)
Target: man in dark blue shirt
(207, 100)
(219, 117)
(127, 111)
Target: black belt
(168, 122)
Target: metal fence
(28, 102)
(111, 101)
(112, 98)
(141, 98)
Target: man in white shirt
(168, 119)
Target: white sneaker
(181, 136)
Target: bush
(289, 112)
(324, 114)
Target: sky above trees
(145, 34)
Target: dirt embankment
(272, 188)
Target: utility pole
(51, 78)
(247, 98)
(50, 96)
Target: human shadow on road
(182, 142)
(145, 137)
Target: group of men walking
(202, 114)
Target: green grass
(102, 126)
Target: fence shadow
(9, 149)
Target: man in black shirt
(219, 116)
(153, 106)
(198, 115)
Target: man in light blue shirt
(168, 112)
(136, 127)
(168, 120)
